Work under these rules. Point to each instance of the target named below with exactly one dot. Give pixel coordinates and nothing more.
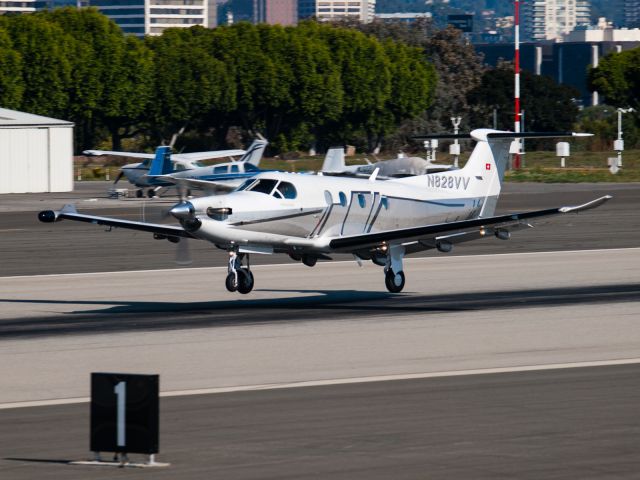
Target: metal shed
(36, 153)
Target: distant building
(18, 6)
(402, 17)
(281, 12)
(152, 17)
(550, 19)
(566, 61)
(362, 10)
(632, 13)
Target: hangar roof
(13, 118)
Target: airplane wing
(119, 154)
(454, 232)
(216, 186)
(70, 212)
(195, 156)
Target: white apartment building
(551, 19)
(18, 6)
(363, 10)
(152, 17)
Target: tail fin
(334, 160)
(483, 173)
(255, 151)
(161, 163)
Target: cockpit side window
(287, 190)
(235, 168)
(220, 169)
(263, 186)
(178, 167)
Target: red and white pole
(516, 61)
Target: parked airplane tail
(334, 160)
(161, 163)
(483, 173)
(255, 151)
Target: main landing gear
(393, 274)
(239, 278)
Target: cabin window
(263, 186)
(343, 199)
(384, 201)
(287, 190)
(235, 169)
(220, 169)
(362, 201)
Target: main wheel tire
(393, 281)
(309, 260)
(151, 193)
(230, 282)
(245, 281)
(139, 193)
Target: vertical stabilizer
(334, 160)
(254, 152)
(161, 163)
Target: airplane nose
(183, 211)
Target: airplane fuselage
(325, 207)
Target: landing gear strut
(393, 274)
(239, 278)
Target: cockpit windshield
(244, 185)
(281, 190)
(263, 185)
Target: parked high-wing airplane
(312, 216)
(152, 173)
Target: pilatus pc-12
(310, 217)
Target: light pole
(454, 148)
(618, 145)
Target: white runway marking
(343, 381)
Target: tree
(617, 77)
(96, 58)
(188, 82)
(11, 83)
(46, 69)
(548, 106)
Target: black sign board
(461, 22)
(124, 413)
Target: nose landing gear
(239, 278)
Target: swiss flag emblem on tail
(487, 166)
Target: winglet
(373, 176)
(586, 206)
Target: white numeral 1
(121, 391)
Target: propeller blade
(183, 253)
(120, 175)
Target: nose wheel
(239, 279)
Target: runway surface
(558, 298)
(561, 424)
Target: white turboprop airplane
(312, 216)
